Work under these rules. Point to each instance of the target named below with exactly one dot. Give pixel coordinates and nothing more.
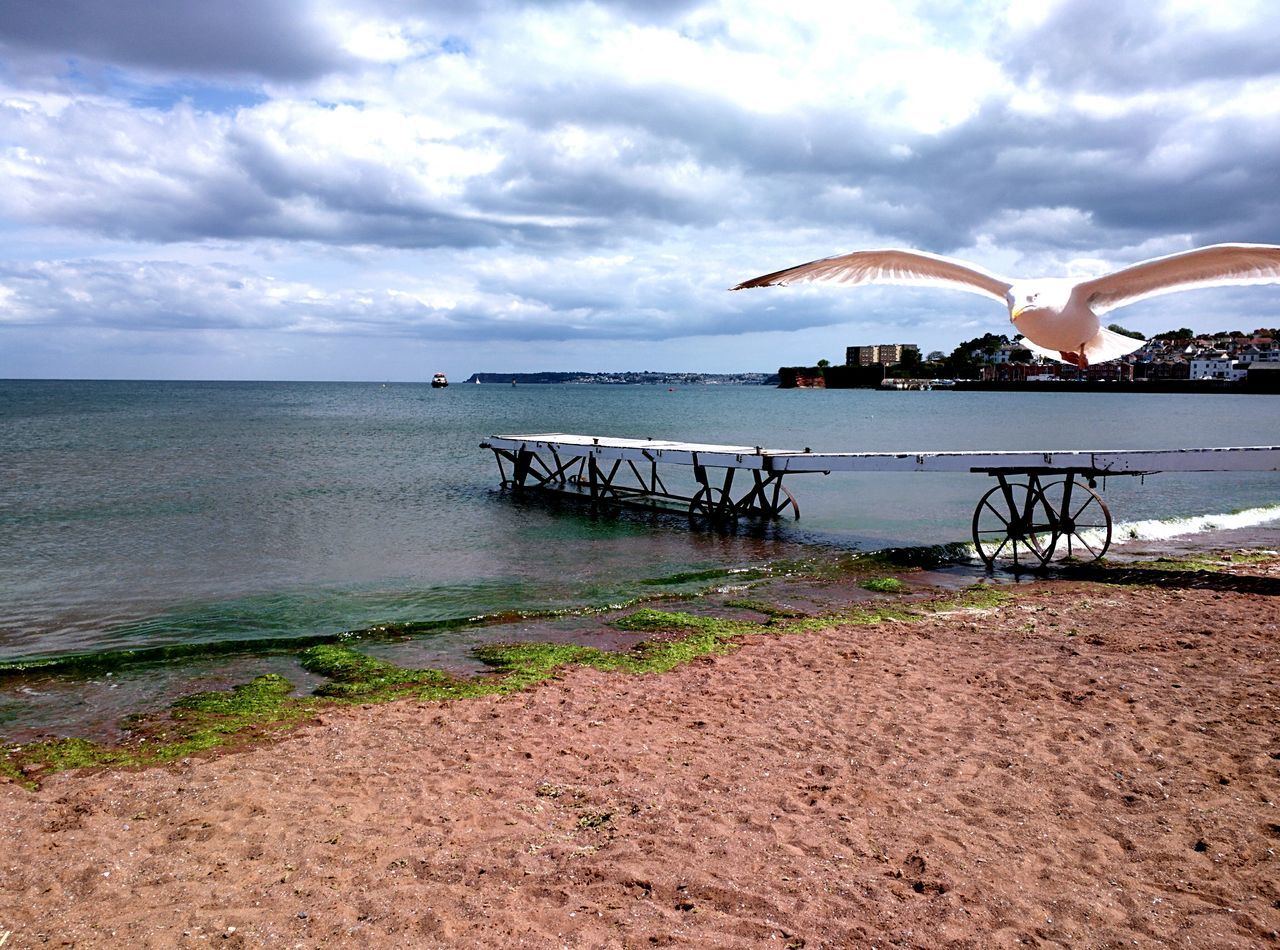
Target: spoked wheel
(768, 498)
(1081, 517)
(711, 504)
(1014, 522)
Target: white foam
(1159, 530)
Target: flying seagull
(1057, 316)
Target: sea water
(136, 515)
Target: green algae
(766, 608)
(355, 675)
(252, 699)
(358, 677)
(111, 660)
(1201, 562)
(648, 620)
(265, 706)
(9, 770)
(976, 597)
(594, 819)
(107, 661)
(712, 574)
(884, 585)
(687, 637)
(521, 665)
(823, 568)
(682, 637)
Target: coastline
(1091, 762)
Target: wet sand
(1089, 765)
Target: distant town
(628, 379)
(1174, 360)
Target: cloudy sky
(382, 189)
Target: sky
(385, 189)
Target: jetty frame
(1044, 506)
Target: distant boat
(438, 381)
(916, 385)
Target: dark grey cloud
(1126, 45)
(467, 12)
(941, 194)
(704, 124)
(275, 39)
(606, 196)
(168, 295)
(1150, 170)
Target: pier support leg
(524, 461)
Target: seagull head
(1038, 298)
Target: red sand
(1089, 766)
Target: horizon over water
(145, 514)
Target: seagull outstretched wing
(1216, 266)
(890, 266)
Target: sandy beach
(1089, 765)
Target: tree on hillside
(1182, 334)
(911, 366)
(968, 358)
(987, 344)
(1132, 334)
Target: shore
(1088, 764)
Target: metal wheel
(784, 500)
(1082, 520)
(711, 503)
(1013, 521)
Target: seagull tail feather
(1109, 345)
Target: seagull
(1057, 316)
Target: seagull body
(1057, 316)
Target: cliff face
(801, 377)
(830, 377)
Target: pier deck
(1044, 504)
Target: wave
(1162, 529)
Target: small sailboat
(439, 381)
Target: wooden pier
(1044, 505)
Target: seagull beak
(1016, 312)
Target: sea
(175, 536)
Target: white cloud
(507, 172)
